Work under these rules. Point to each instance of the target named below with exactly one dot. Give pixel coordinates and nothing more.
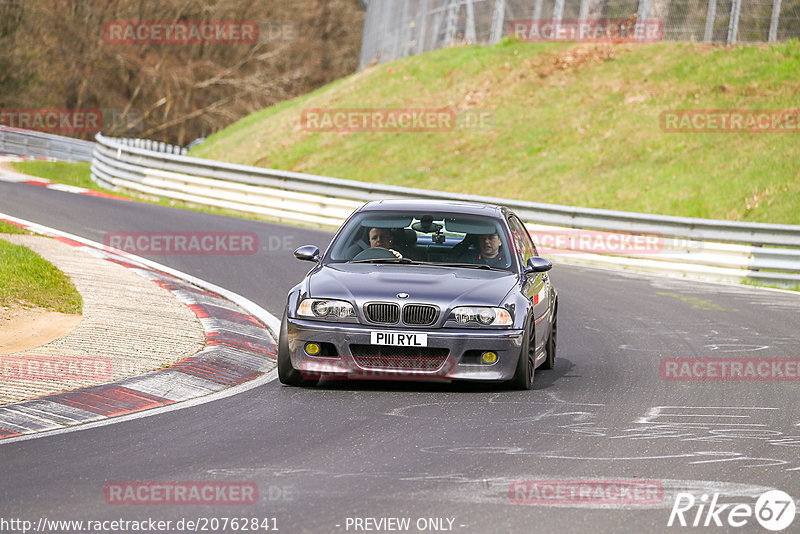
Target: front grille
(428, 359)
(420, 314)
(382, 313)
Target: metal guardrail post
(452, 21)
(383, 30)
(711, 15)
(558, 11)
(773, 24)
(644, 10)
(423, 21)
(402, 40)
(733, 23)
(497, 21)
(584, 11)
(470, 35)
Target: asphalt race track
(325, 456)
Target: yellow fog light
(489, 357)
(312, 349)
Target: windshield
(408, 237)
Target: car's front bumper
(457, 352)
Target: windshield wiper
(387, 260)
(473, 266)
(406, 261)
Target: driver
(490, 251)
(382, 237)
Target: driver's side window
(522, 239)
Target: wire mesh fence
(398, 28)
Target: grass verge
(570, 124)
(8, 228)
(30, 280)
(70, 173)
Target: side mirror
(307, 253)
(537, 264)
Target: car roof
(422, 204)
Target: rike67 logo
(774, 510)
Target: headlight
(326, 309)
(485, 316)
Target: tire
(286, 373)
(523, 377)
(552, 340)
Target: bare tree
(58, 56)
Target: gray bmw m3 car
(422, 290)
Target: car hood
(442, 286)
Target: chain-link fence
(398, 28)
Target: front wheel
(523, 377)
(287, 374)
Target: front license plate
(401, 339)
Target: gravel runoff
(134, 323)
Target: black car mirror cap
(538, 264)
(307, 253)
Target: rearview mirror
(307, 253)
(537, 264)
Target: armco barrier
(689, 247)
(44, 145)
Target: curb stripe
(215, 371)
(69, 242)
(49, 415)
(216, 339)
(109, 400)
(15, 223)
(171, 285)
(41, 182)
(230, 358)
(205, 311)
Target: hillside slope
(570, 124)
